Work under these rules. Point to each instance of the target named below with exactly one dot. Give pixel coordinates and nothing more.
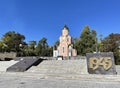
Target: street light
(20, 46)
(96, 45)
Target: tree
(1, 46)
(32, 45)
(100, 36)
(87, 41)
(110, 45)
(39, 49)
(95, 40)
(43, 42)
(43, 49)
(50, 50)
(12, 40)
(76, 44)
(57, 43)
(100, 44)
(29, 49)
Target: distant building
(65, 47)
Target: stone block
(101, 63)
(23, 64)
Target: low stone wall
(7, 55)
(74, 58)
(48, 58)
(65, 58)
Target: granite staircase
(59, 67)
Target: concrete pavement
(58, 74)
(23, 82)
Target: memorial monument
(101, 63)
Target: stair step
(5, 64)
(61, 67)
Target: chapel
(65, 47)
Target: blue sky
(45, 18)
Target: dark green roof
(65, 26)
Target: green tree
(76, 44)
(100, 44)
(12, 40)
(43, 49)
(94, 40)
(110, 45)
(57, 43)
(32, 45)
(87, 41)
(50, 50)
(1, 46)
(39, 49)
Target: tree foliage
(110, 44)
(43, 49)
(11, 40)
(86, 43)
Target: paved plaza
(30, 82)
(57, 74)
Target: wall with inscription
(101, 63)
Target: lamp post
(118, 42)
(21, 49)
(96, 45)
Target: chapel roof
(65, 27)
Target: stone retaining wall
(7, 55)
(65, 58)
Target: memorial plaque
(101, 63)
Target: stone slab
(5, 64)
(23, 64)
(101, 63)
